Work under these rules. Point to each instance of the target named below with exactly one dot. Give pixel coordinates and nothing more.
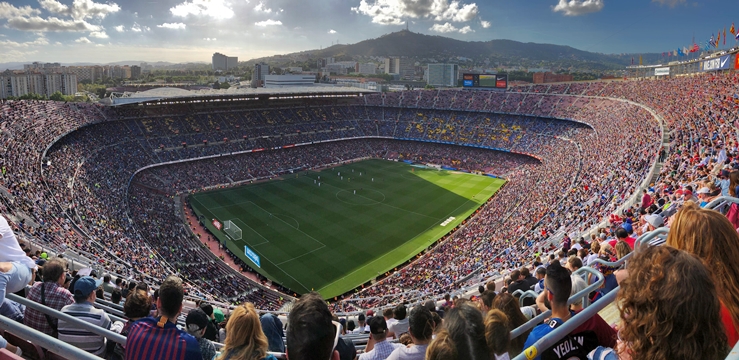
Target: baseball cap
(377, 325)
(655, 220)
(704, 190)
(86, 285)
(196, 320)
(627, 227)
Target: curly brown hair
(669, 308)
(506, 303)
(709, 235)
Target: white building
(276, 81)
(442, 75)
(17, 85)
(223, 62)
(260, 72)
(367, 68)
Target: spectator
(16, 269)
(196, 324)
(311, 334)
(136, 307)
(51, 293)
(159, 338)
(115, 296)
(84, 309)
(381, 347)
(362, 328)
(107, 286)
(669, 310)
(509, 306)
(710, 236)
(593, 332)
(421, 328)
(211, 333)
(462, 338)
(497, 334)
(400, 325)
(486, 301)
(272, 328)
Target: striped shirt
(84, 339)
(147, 341)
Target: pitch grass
(332, 240)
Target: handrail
(644, 239)
(518, 292)
(526, 294)
(573, 299)
(45, 341)
(566, 328)
(118, 338)
(611, 264)
(721, 200)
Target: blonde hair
(622, 249)
(244, 336)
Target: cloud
(120, 28)
(268, 22)
(138, 28)
(485, 24)
(332, 31)
(670, 3)
(466, 29)
(36, 23)
(173, 26)
(579, 7)
(80, 9)
(261, 7)
(217, 9)
(99, 34)
(83, 40)
(38, 42)
(394, 12)
(209, 39)
(8, 11)
(446, 28)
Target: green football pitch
(352, 228)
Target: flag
(685, 51)
(724, 35)
(712, 41)
(640, 62)
(732, 29)
(695, 48)
(680, 52)
(737, 35)
(718, 37)
(632, 60)
(674, 53)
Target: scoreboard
(485, 81)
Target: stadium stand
(70, 188)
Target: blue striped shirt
(79, 337)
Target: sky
(97, 31)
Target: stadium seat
(31, 350)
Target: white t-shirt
(10, 250)
(415, 352)
(399, 327)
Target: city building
(19, 84)
(442, 75)
(135, 72)
(401, 66)
(275, 81)
(367, 68)
(223, 62)
(547, 77)
(257, 77)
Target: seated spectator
(211, 333)
(509, 306)
(159, 338)
(84, 309)
(107, 286)
(311, 334)
(420, 329)
(486, 301)
(16, 269)
(51, 293)
(593, 332)
(400, 326)
(670, 310)
(272, 328)
(710, 236)
(196, 324)
(622, 249)
(362, 328)
(115, 296)
(497, 335)
(136, 307)
(12, 310)
(381, 348)
(462, 338)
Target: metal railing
(573, 299)
(721, 202)
(566, 328)
(45, 341)
(110, 335)
(526, 294)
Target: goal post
(232, 230)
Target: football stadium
(530, 221)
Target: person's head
(378, 328)
(405, 339)
(171, 293)
(622, 249)
(311, 334)
(558, 285)
(54, 271)
(595, 247)
(420, 324)
(525, 272)
(487, 298)
(207, 309)
(578, 284)
(621, 233)
(400, 312)
(515, 275)
(490, 286)
(463, 336)
(497, 332)
(350, 326)
(115, 296)
(669, 307)
(118, 281)
(654, 221)
(196, 323)
(709, 235)
(733, 182)
(84, 289)
(436, 318)
(509, 305)
(387, 313)
(541, 272)
(573, 263)
(137, 305)
(244, 336)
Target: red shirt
(731, 332)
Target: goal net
(232, 230)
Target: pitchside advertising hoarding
(720, 63)
(252, 256)
(485, 81)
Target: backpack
(571, 347)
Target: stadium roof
(178, 93)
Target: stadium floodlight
(232, 230)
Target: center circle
(362, 197)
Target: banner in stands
(736, 60)
(661, 71)
(721, 63)
(252, 256)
